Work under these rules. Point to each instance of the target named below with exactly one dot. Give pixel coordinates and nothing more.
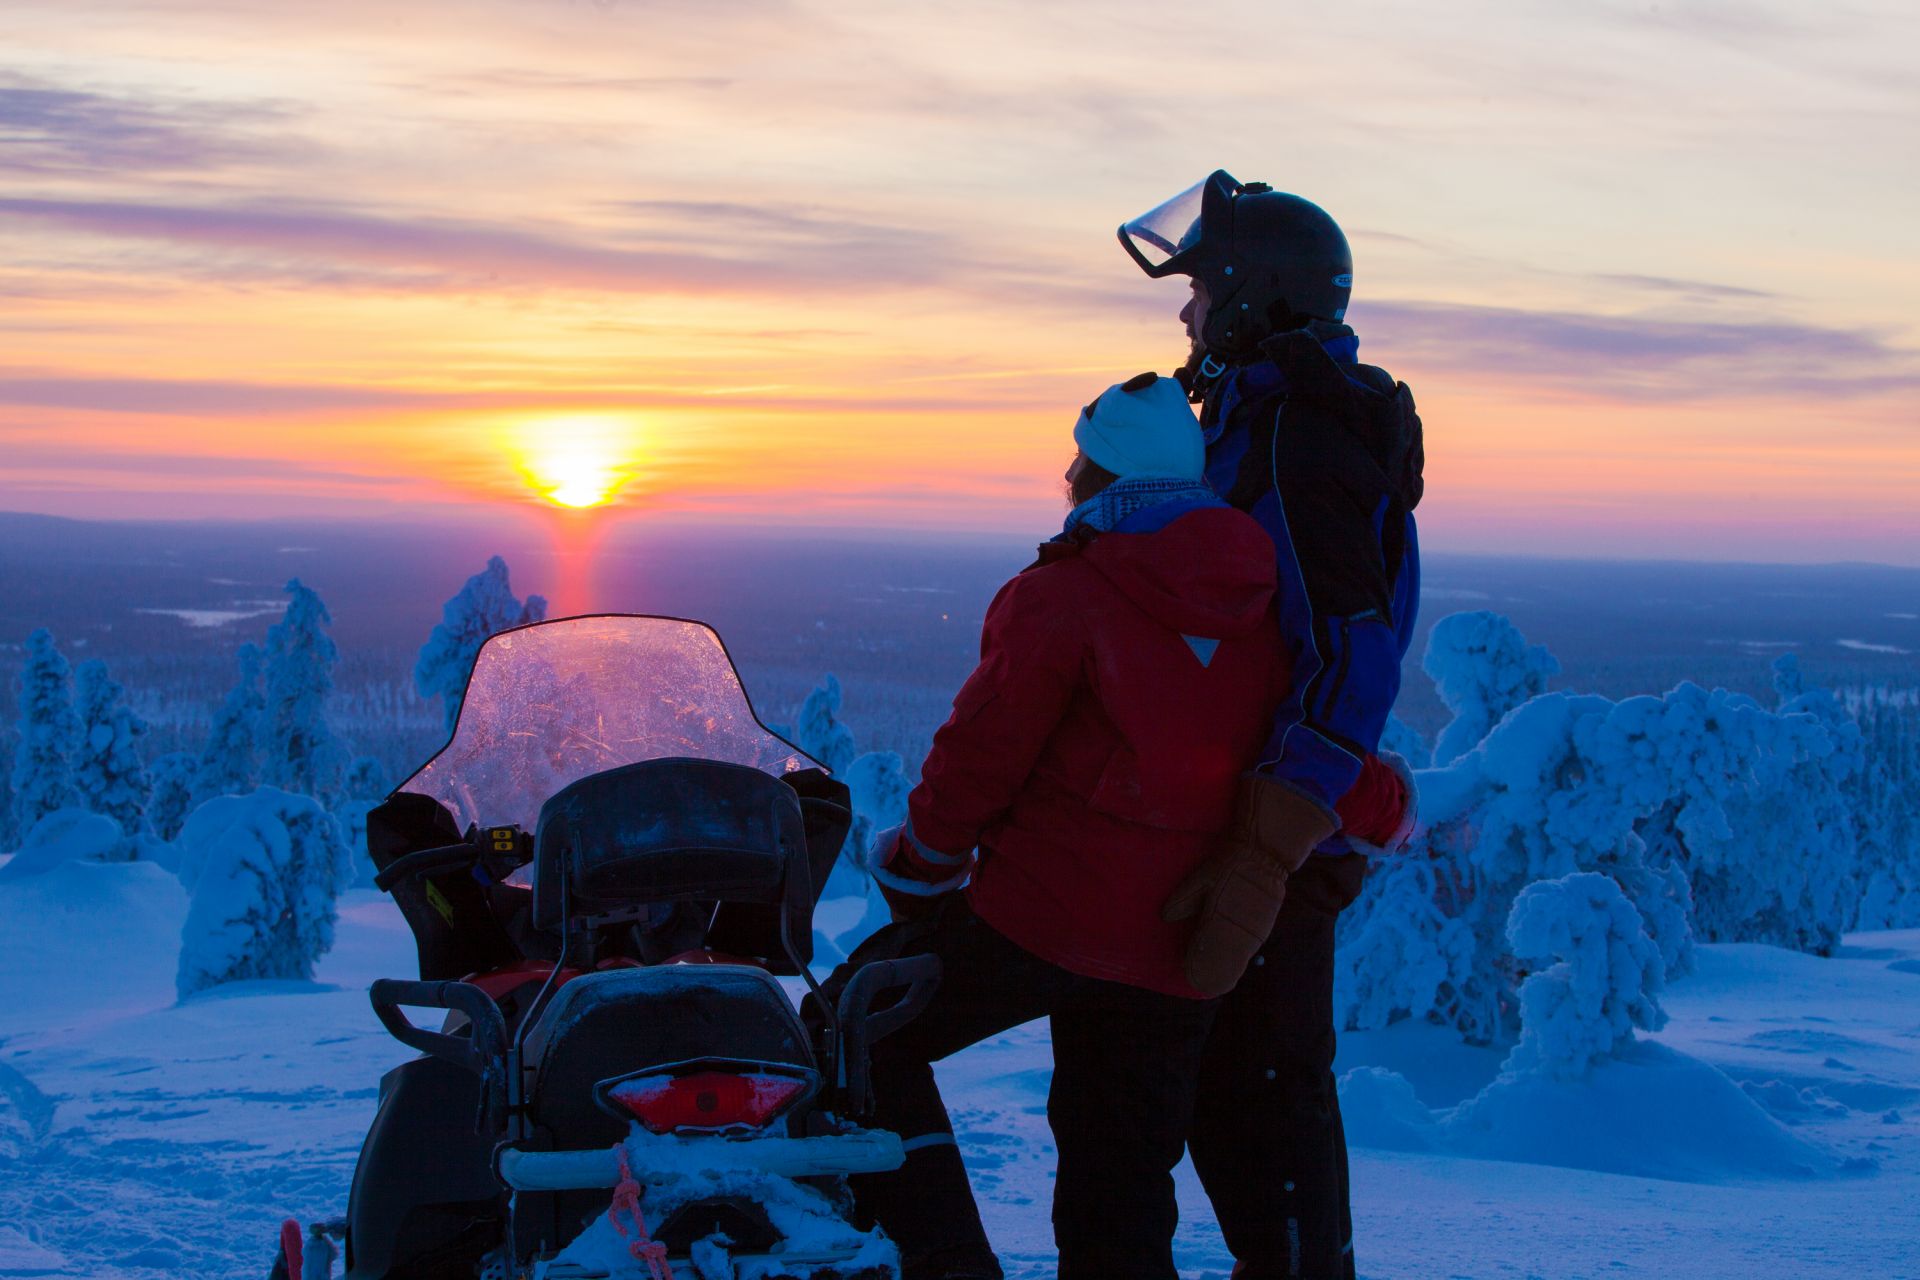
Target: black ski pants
(1266, 1140)
(1126, 1064)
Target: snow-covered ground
(144, 1138)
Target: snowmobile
(607, 871)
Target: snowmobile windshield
(551, 703)
(1157, 235)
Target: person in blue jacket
(1326, 453)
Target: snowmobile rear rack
(859, 1026)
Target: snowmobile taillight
(710, 1100)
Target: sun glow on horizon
(578, 461)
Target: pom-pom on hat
(1143, 427)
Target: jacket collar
(1138, 504)
(1264, 378)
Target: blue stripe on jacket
(1346, 669)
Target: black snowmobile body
(613, 1021)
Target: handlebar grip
(424, 861)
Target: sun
(580, 479)
(578, 460)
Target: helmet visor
(1158, 235)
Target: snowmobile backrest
(673, 830)
(753, 928)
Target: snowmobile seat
(611, 1023)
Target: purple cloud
(50, 129)
(49, 456)
(1638, 357)
(215, 398)
(702, 248)
(1694, 290)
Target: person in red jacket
(1127, 680)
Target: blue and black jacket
(1326, 453)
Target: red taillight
(707, 1101)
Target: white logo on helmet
(1343, 282)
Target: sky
(1650, 269)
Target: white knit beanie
(1143, 427)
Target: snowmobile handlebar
(425, 862)
(497, 851)
(861, 1027)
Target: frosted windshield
(551, 703)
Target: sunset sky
(1652, 270)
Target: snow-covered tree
(817, 729)
(110, 774)
(301, 753)
(878, 786)
(229, 761)
(1788, 681)
(484, 606)
(1405, 741)
(1884, 795)
(1886, 802)
(1715, 817)
(264, 870)
(1597, 975)
(66, 835)
(1401, 954)
(1483, 668)
(7, 748)
(366, 786)
(172, 796)
(43, 755)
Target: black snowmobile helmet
(1269, 260)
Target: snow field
(144, 1138)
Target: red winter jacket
(1125, 683)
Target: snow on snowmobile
(606, 870)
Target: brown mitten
(1237, 893)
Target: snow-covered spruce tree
(817, 729)
(7, 749)
(1754, 815)
(484, 606)
(1400, 954)
(1595, 975)
(1886, 796)
(264, 873)
(1483, 668)
(878, 787)
(1789, 682)
(43, 754)
(301, 754)
(366, 786)
(229, 763)
(877, 784)
(1405, 741)
(1713, 815)
(67, 835)
(172, 797)
(109, 774)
